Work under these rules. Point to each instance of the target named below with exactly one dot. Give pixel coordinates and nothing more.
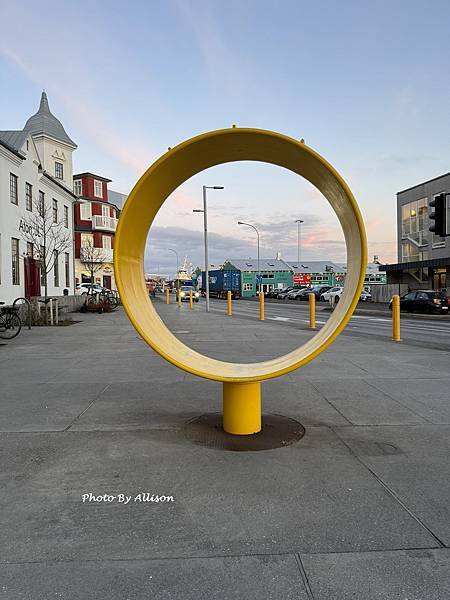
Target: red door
(107, 281)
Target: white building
(35, 166)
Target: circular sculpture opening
(173, 169)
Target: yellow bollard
(242, 408)
(167, 296)
(190, 299)
(312, 311)
(179, 297)
(261, 306)
(229, 305)
(396, 318)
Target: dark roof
(423, 183)
(9, 147)
(44, 122)
(87, 174)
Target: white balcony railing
(96, 255)
(104, 223)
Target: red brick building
(95, 222)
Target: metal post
(51, 311)
(312, 311)
(396, 318)
(205, 228)
(261, 306)
(229, 305)
(56, 312)
(167, 296)
(242, 408)
(179, 297)
(190, 299)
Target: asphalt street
(432, 332)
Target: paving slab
(414, 463)
(222, 578)
(364, 404)
(310, 497)
(428, 398)
(402, 575)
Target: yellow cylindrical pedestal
(229, 306)
(167, 296)
(179, 298)
(242, 408)
(190, 299)
(261, 306)
(396, 318)
(312, 311)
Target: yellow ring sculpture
(242, 404)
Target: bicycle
(10, 323)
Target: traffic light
(439, 217)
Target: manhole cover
(277, 432)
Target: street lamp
(299, 240)
(176, 254)
(205, 229)
(257, 234)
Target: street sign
(258, 279)
(301, 279)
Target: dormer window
(78, 187)
(59, 170)
(98, 189)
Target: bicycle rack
(29, 308)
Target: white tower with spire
(53, 145)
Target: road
(433, 333)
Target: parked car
(424, 301)
(90, 288)
(284, 292)
(365, 296)
(318, 290)
(325, 296)
(292, 295)
(304, 294)
(335, 295)
(185, 293)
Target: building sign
(339, 278)
(301, 279)
(30, 229)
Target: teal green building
(275, 274)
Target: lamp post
(299, 241)
(176, 254)
(257, 234)
(205, 229)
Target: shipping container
(222, 281)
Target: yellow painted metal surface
(190, 299)
(179, 297)
(170, 171)
(396, 318)
(242, 408)
(312, 311)
(167, 296)
(261, 306)
(229, 304)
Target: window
(41, 203)
(13, 188)
(410, 296)
(67, 268)
(55, 210)
(78, 187)
(105, 211)
(66, 216)
(107, 242)
(415, 230)
(15, 261)
(248, 287)
(28, 196)
(421, 296)
(85, 211)
(30, 249)
(55, 268)
(59, 170)
(87, 240)
(98, 188)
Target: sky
(364, 83)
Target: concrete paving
(358, 508)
